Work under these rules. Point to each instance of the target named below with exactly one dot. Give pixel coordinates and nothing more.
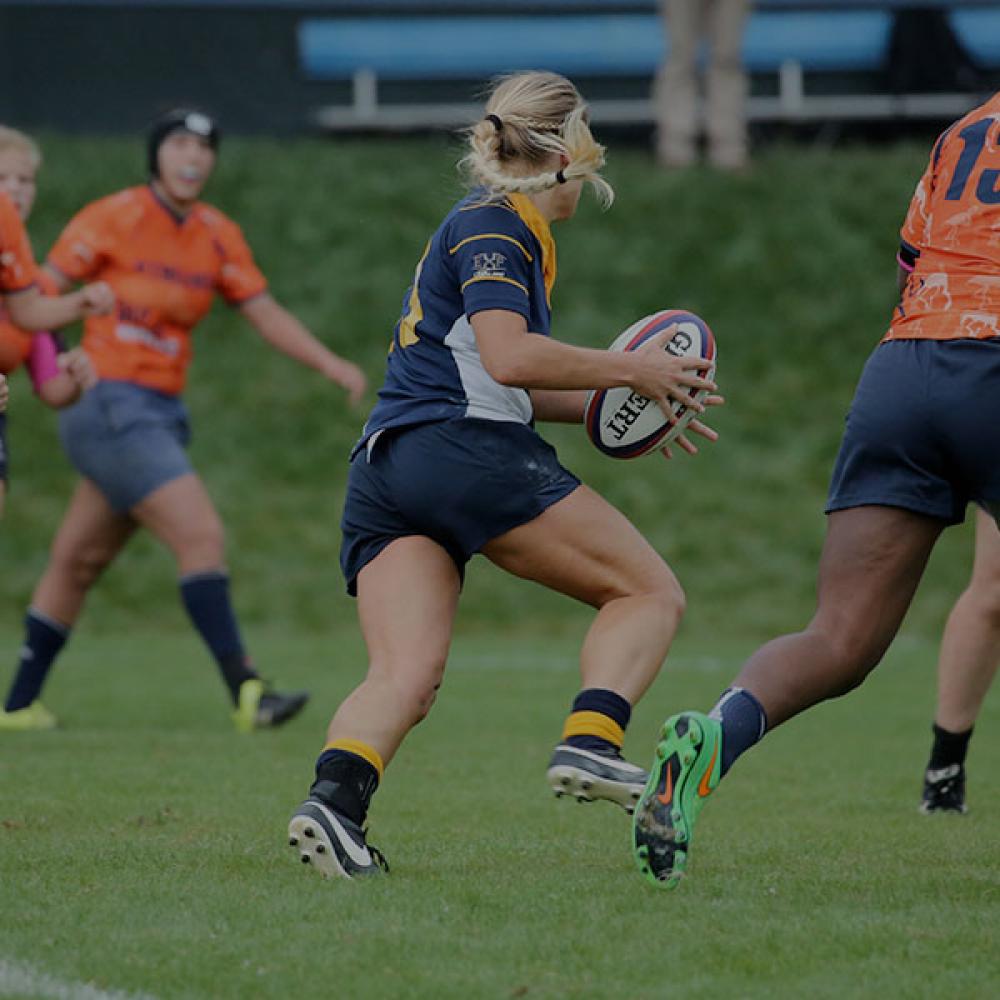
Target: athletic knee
(200, 545)
(81, 565)
(672, 598)
(660, 589)
(413, 688)
(984, 599)
(853, 655)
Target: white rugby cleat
(588, 776)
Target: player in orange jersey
(58, 378)
(27, 306)
(921, 441)
(166, 255)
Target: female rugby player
(449, 464)
(908, 466)
(57, 378)
(166, 255)
(27, 307)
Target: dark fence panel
(108, 65)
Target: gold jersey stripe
(493, 236)
(484, 277)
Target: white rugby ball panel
(624, 424)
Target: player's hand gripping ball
(623, 424)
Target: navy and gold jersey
(495, 254)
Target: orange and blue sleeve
(240, 280)
(81, 249)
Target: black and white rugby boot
(944, 790)
(587, 776)
(331, 843)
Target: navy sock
(346, 782)
(949, 748)
(597, 721)
(43, 638)
(744, 723)
(206, 599)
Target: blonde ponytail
(530, 116)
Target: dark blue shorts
(923, 431)
(127, 439)
(460, 482)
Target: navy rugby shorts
(127, 439)
(923, 431)
(460, 482)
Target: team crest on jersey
(489, 265)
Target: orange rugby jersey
(952, 236)
(17, 263)
(15, 344)
(164, 271)
(18, 347)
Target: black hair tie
(560, 178)
(496, 121)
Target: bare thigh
(407, 597)
(872, 562)
(986, 563)
(87, 541)
(585, 548)
(182, 516)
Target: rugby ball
(623, 424)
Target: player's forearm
(537, 362)
(562, 406)
(30, 310)
(289, 336)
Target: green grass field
(142, 845)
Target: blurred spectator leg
(675, 92)
(727, 85)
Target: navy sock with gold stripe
(597, 721)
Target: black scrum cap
(179, 120)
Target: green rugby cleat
(261, 707)
(34, 716)
(683, 775)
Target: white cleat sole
(564, 779)
(313, 845)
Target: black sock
(43, 638)
(744, 723)
(948, 748)
(206, 599)
(345, 782)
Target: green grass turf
(142, 845)
(792, 264)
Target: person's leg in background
(727, 85)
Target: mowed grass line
(142, 846)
